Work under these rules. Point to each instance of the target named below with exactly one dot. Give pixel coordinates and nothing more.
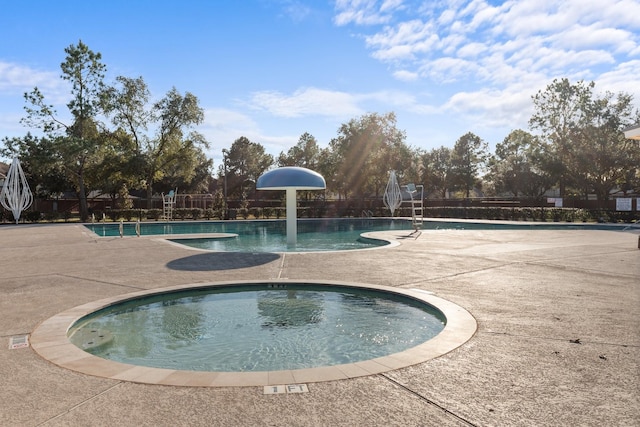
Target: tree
(191, 172)
(584, 134)
(77, 143)
(398, 156)
(559, 111)
(174, 114)
(467, 158)
(516, 166)
(437, 172)
(367, 148)
(40, 162)
(118, 168)
(328, 166)
(170, 152)
(304, 154)
(602, 155)
(246, 161)
(127, 104)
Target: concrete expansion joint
(104, 282)
(426, 399)
(80, 404)
(281, 267)
(552, 265)
(569, 340)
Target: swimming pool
(51, 338)
(258, 327)
(266, 235)
(313, 234)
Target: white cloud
(404, 41)
(587, 37)
(483, 15)
(306, 102)
(391, 5)
(472, 50)
(389, 97)
(623, 78)
(622, 12)
(221, 127)
(407, 76)
(336, 106)
(555, 62)
(447, 17)
(555, 34)
(17, 76)
(221, 119)
(488, 60)
(365, 12)
(530, 17)
(10, 124)
(15, 79)
(318, 111)
(485, 108)
(449, 69)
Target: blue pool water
(258, 327)
(267, 236)
(313, 234)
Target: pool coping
(169, 239)
(50, 341)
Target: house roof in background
(632, 132)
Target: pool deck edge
(51, 342)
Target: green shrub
(154, 214)
(113, 214)
(32, 216)
(208, 213)
(182, 213)
(51, 216)
(256, 212)
(521, 214)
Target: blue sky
(272, 70)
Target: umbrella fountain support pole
(292, 226)
(291, 178)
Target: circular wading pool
(253, 333)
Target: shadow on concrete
(215, 261)
(409, 235)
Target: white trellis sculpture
(16, 195)
(392, 195)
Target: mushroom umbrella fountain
(291, 178)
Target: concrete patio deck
(558, 338)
